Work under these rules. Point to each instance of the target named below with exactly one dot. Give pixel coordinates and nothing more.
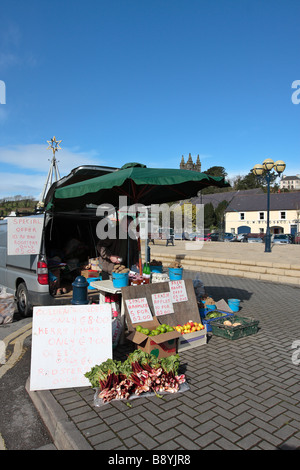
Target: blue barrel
(120, 279)
(234, 304)
(175, 274)
(80, 291)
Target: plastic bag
(198, 288)
(7, 307)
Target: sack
(7, 307)
(116, 332)
(198, 288)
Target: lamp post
(264, 170)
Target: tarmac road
(21, 427)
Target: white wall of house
(256, 221)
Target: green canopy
(140, 184)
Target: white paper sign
(162, 303)
(24, 235)
(178, 291)
(67, 341)
(139, 310)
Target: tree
(210, 219)
(250, 181)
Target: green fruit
(138, 328)
(161, 328)
(164, 325)
(170, 328)
(145, 331)
(155, 332)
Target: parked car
(253, 238)
(214, 236)
(229, 237)
(198, 236)
(281, 238)
(241, 237)
(297, 238)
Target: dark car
(214, 237)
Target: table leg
(122, 337)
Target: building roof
(258, 202)
(290, 178)
(216, 198)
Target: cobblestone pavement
(244, 394)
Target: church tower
(190, 165)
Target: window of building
(242, 215)
(282, 215)
(261, 215)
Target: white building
(248, 213)
(290, 182)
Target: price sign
(24, 235)
(162, 303)
(139, 310)
(67, 340)
(178, 291)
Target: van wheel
(24, 307)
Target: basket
(249, 326)
(207, 321)
(156, 268)
(175, 274)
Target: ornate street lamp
(264, 170)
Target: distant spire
(182, 164)
(53, 170)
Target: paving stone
(244, 394)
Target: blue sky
(146, 81)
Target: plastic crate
(248, 327)
(207, 321)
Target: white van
(68, 242)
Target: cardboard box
(192, 340)
(163, 345)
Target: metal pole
(268, 234)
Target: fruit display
(189, 327)
(164, 328)
(155, 262)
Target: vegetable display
(140, 372)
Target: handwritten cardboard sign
(178, 291)
(139, 310)
(162, 303)
(24, 235)
(67, 341)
